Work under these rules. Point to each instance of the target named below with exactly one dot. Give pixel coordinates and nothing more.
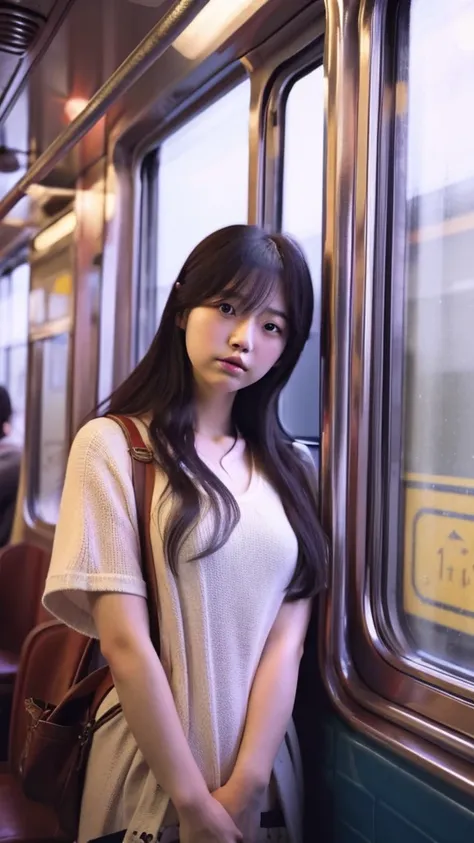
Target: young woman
(204, 740)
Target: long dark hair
(243, 260)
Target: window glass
(203, 182)
(20, 280)
(13, 340)
(18, 364)
(436, 577)
(5, 314)
(53, 426)
(302, 217)
(51, 288)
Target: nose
(242, 337)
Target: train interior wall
(357, 791)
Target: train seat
(23, 570)
(21, 820)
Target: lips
(233, 366)
(234, 361)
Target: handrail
(135, 65)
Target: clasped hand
(229, 815)
(243, 807)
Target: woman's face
(230, 349)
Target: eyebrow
(277, 313)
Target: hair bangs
(253, 287)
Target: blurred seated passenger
(10, 459)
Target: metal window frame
(151, 48)
(33, 437)
(149, 156)
(270, 68)
(36, 338)
(146, 295)
(379, 691)
(309, 58)
(392, 405)
(261, 65)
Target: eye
(271, 328)
(226, 309)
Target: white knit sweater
(215, 619)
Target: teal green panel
(329, 744)
(354, 806)
(346, 834)
(327, 775)
(422, 804)
(391, 828)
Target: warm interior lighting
(209, 24)
(74, 106)
(55, 232)
(40, 193)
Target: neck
(213, 416)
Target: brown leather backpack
(59, 736)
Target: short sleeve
(96, 544)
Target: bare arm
(143, 689)
(148, 705)
(272, 697)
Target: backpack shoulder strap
(143, 475)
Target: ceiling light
(209, 24)
(74, 106)
(55, 232)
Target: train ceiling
(54, 53)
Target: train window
(14, 287)
(4, 326)
(20, 282)
(435, 579)
(53, 438)
(302, 217)
(50, 327)
(202, 183)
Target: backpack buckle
(141, 454)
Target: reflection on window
(20, 281)
(203, 182)
(5, 311)
(53, 426)
(436, 587)
(18, 362)
(51, 288)
(14, 287)
(302, 217)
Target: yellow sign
(439, 550)
(63, 284)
